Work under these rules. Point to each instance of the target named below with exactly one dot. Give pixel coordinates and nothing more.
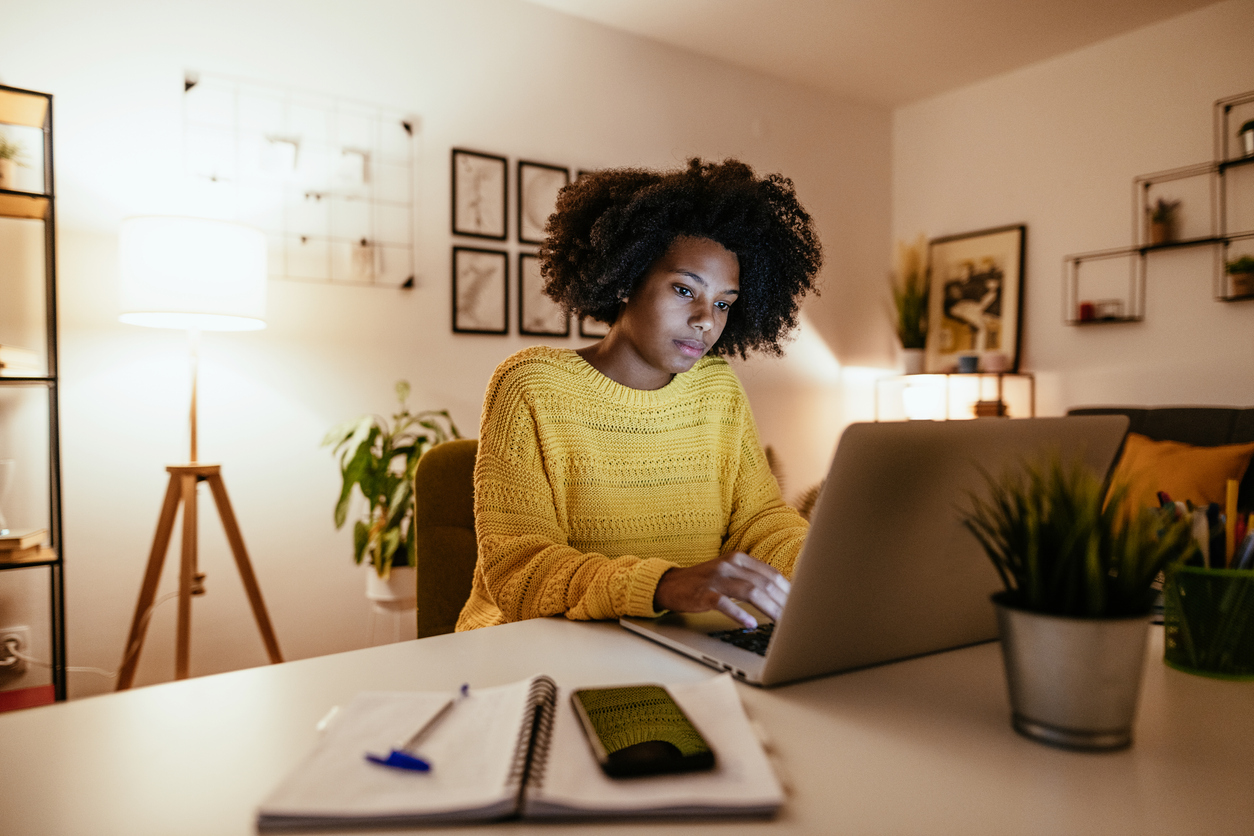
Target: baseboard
(27, 697)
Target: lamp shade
(192, 273)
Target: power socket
(22, 636)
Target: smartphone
(640, 730)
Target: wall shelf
(1108, 286)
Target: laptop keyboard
(753, 639)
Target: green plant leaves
(1062, 546)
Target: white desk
(923, 746)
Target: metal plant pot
(1073, 682)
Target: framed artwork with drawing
(592, 329)
(538, 185)
(479, 184)
(480, 291)
(975, 299)
(538, 315)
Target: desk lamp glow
(194, 275)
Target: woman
(626, 478)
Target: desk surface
(923, 746)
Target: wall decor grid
(330, 181)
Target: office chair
(444, 525)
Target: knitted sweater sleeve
(761, 523)
(527, 566)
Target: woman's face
(678, 310)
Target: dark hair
(611, 226)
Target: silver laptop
(888, 571)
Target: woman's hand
(712, 586)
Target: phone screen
(640, 730)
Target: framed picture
(479, 194)
(480, 291)
(975, 300)
(538, 315)
(538, 185)
(591, 328)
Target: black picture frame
(975, 300)
(479, 185)
(536, 190)
(478, 276)
(592, 329)
(538, 315)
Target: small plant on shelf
(11, 155)
(381, 460)
(1242, 272)
(910, 293)
(1162, 215)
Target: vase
(398, 591)
(1247, 142)
(1162, 232)
(1073, 682)
(8, 174)
(1242, 284)
(912, 360)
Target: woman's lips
(692, 348)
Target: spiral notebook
(512, 751)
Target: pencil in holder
(1209, 622)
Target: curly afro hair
(611, 226)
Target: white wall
(498, 75)
(1056, 146)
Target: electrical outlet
(22, 636)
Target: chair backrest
(444, 528)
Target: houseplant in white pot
(380, 460)
(1079, 567)
(909, 287)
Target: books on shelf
(22, 539)
(512, 751)
(19, 362)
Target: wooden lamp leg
(148, 590)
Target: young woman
(626, 478)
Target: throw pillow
(1184, 471)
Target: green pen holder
(1208, 617)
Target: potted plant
(1242, 276)
(380, 461)
(11, 156)
(1079, 567)
(910, 296)
(1247, 138)
(1162, 215)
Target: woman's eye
(682, 291)
(723, 306)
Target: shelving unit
(1122, 271)
(950, 396)
(29, 399)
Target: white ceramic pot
(398, 591)
(912, 360)
(1074, 682)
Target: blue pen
(403, 757)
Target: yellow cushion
(1184, 471)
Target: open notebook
(513, 750)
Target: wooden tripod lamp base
(182, 491)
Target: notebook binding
(532, 749)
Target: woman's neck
(615, 359)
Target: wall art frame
(975, 304)
(538, 315)
(480, 291)
(592, 329)
(479, 186)
(537, 188)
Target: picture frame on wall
(538, 185)
(538, 315)
(480, 291)
(592, 329)
(975, 300)
(478, 188)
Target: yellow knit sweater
(586, 491)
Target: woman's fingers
(729, 608)
(717, 585)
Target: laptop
(887, 570)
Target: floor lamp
(194, 275)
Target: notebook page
(471, 751)
(742, 780)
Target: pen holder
(1209, 621)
